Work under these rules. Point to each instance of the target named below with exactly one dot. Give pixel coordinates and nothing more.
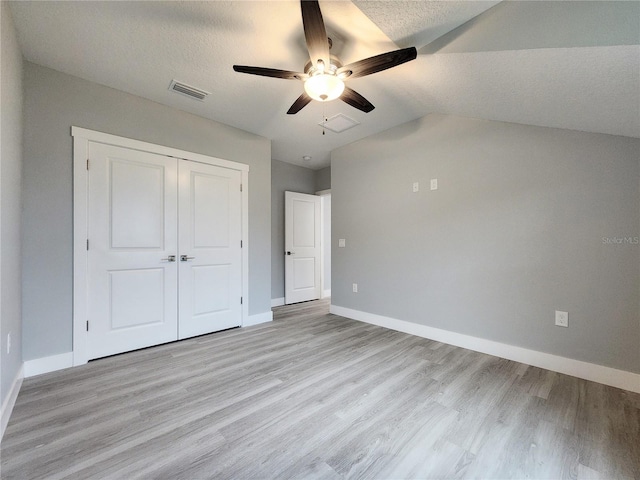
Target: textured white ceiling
(139, 47)
(418, 23)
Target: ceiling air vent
(339, 123)
(188, 90)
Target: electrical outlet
(416, 187)
(355, 288)
(562, 319)
(342, 242)
(434, 184)
(8, 343)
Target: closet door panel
(132, 232)
(210, 262)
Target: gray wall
(11, 97)
(284, 176)
(53, 103)
(323, 179)
(514, 232)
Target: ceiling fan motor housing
(310, 70)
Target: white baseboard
(39, 366)
(277, 302)
(258, 319)
(326, 293)
(569, 366)
(10, 401)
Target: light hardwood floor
(314, 395)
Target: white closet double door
(164, 249)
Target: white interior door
(210, 261)
(132, 234)
(302, 247)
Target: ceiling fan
(324, 75)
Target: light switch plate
(434, 184)
(562, 318)
(416, 187)
(342, 243)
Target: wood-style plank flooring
(315, 395)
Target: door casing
(299, 251)
(81, 162)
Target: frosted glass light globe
(324, 87)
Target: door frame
(289, 217)
(322, 193)
(81, 163)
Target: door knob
(184, 258)
(170, 258)
(291, 253)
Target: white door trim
(301, 254)
(323, 193)
(81, 139)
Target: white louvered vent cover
(339, 123)
(188, 90)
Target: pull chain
(324, 120)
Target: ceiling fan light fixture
(324, 87)
(324, 74)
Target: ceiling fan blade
(270, 72)
(378, 63)
(302, 101)
(314, 33)
(356, 100)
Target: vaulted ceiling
(565, 64)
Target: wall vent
(188, 90)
